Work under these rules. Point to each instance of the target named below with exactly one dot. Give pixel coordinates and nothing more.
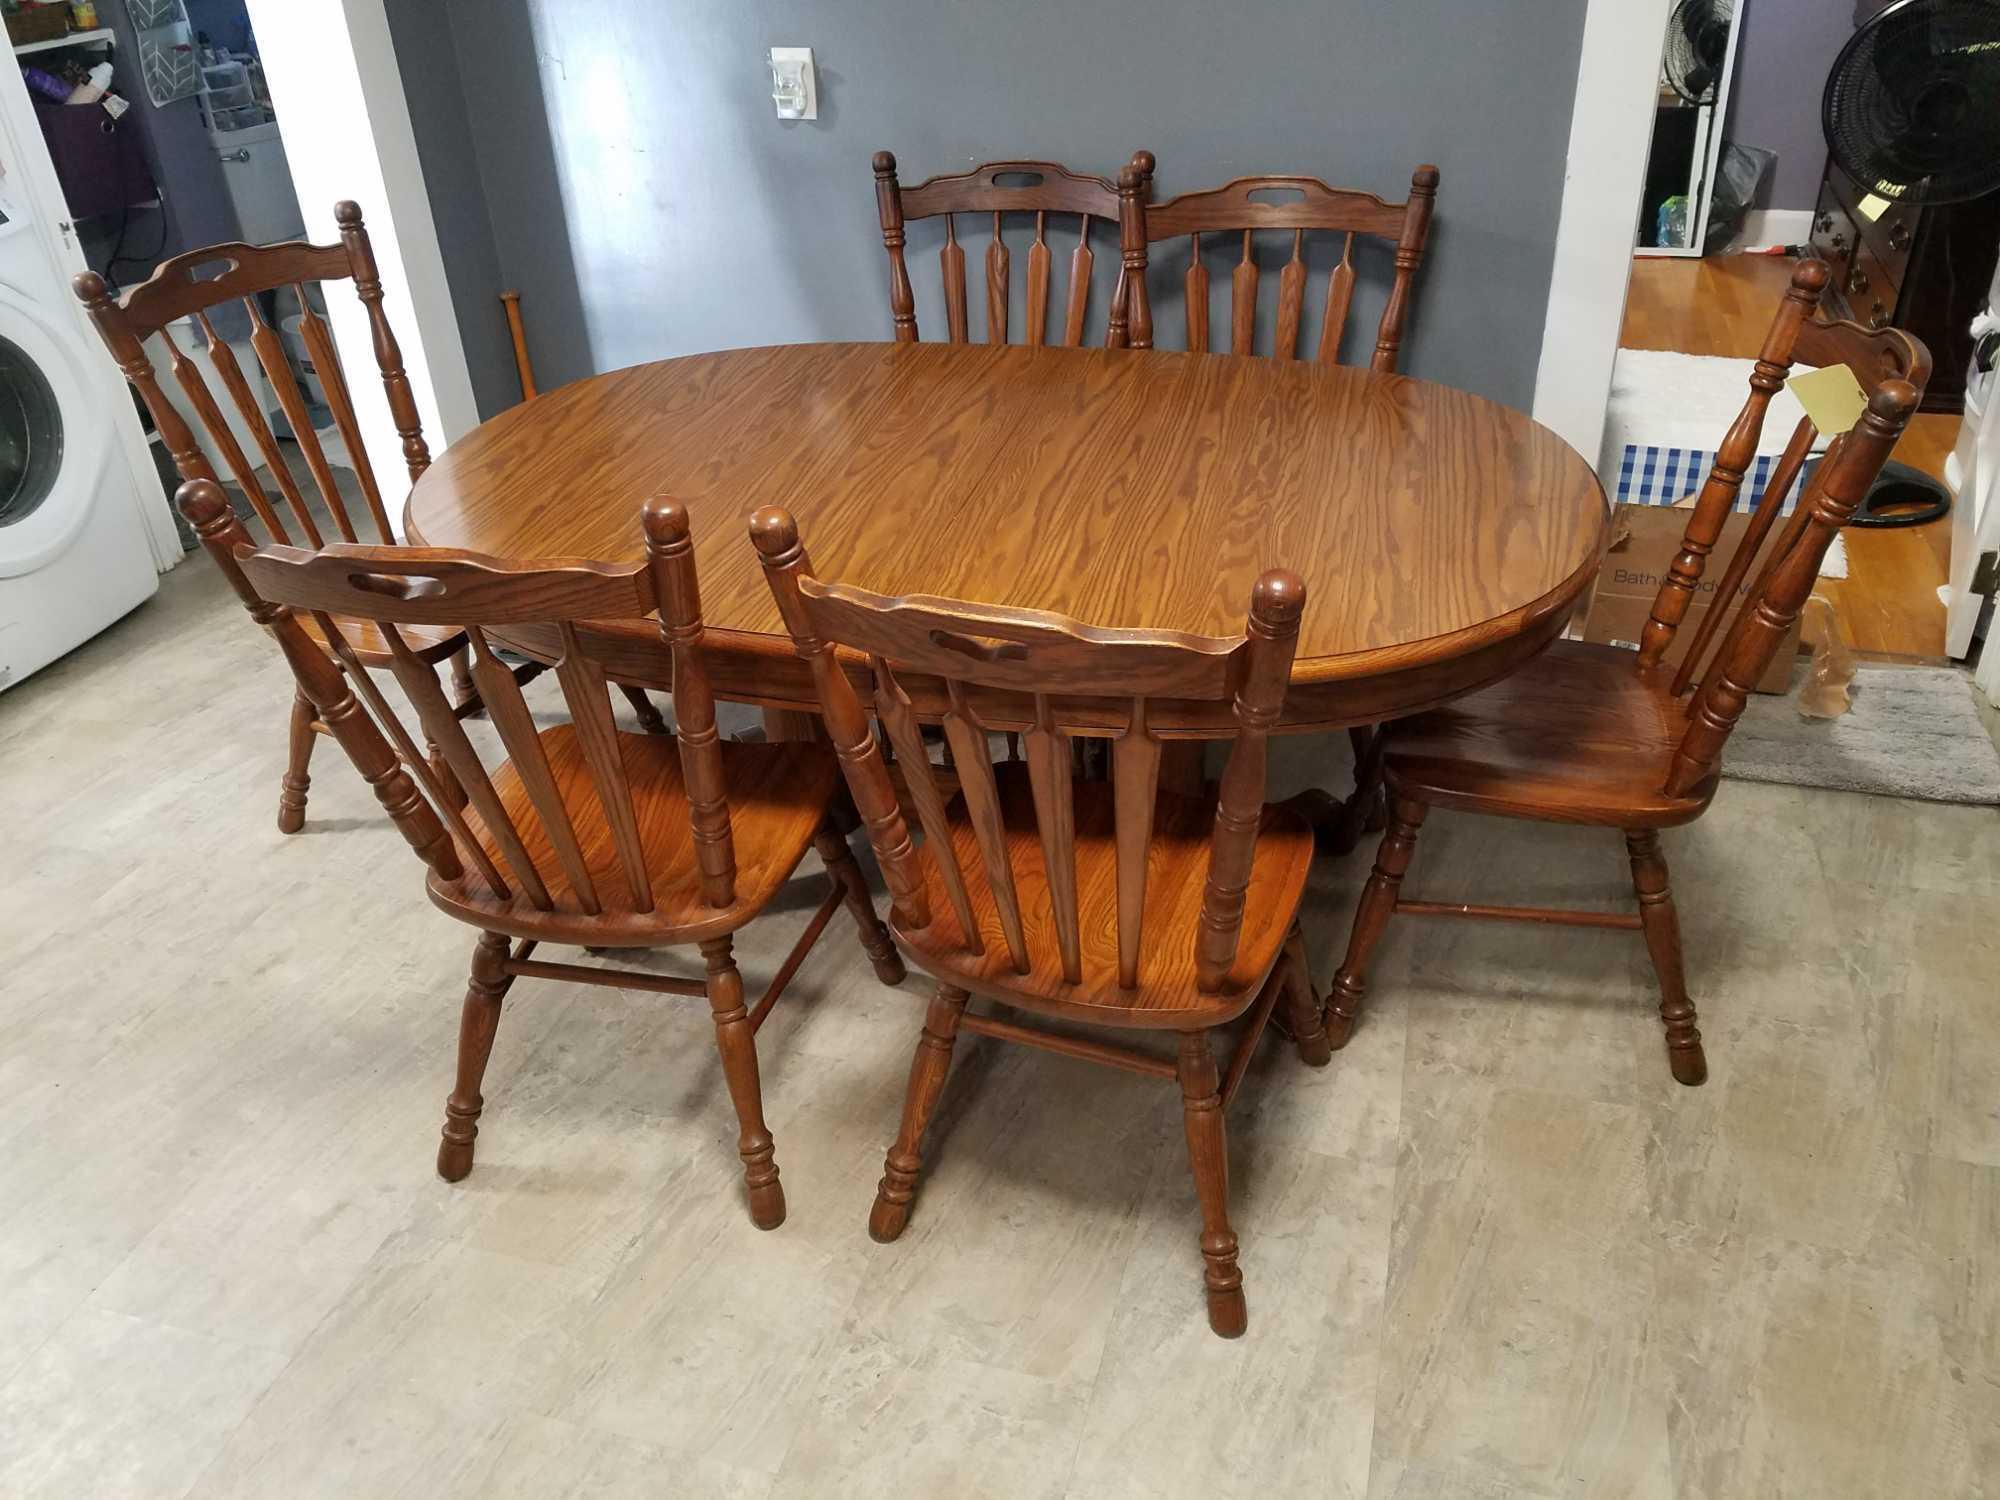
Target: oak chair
(1599, 735)
(179, 289)
(586, 834)
(1107, 904)
(1040, 188)
(1302, 205)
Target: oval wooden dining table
(1444, 539)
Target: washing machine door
(54, 443)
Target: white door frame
(1610, 131)
(346, 125)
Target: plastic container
(1673, 222)
(247, 117)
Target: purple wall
(1786, 48)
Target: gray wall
(428, 62)
(193, 198)
(641, 193)
(1786, 49)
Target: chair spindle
(1339, 297)
(391, 724)
(952, 260)
(1038, 283)
(188, 376)
(270, 352)
(892, 707)
(1135, 778)
(996, 286)
(251, 411)
(1055, 818)
(420, 684)
(1768, 506)
(333, 380)
(516, 725)
(1291, 299)
(1080, 263)
(976, 784)
(1732, 459)
(1195, 290)
(1243, 301)
(588, 695)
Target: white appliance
(1973, 473)
(259, 182)
(84, 530)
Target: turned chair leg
(1208, 1154)
(875, 940)
(736, 1041)
(476, 1026)
(1302, 1008)
(1378, 901)
(1663, 941)
(649, 716)
(463, 690)
(292, 790)
(927, 1072)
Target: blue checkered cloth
(1667, 476)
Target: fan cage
(1911, 109)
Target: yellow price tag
(1832, 397)
(1872, 207)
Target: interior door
(1973, 471)
(1975, 521)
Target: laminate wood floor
(1723, 304)
(1491, 1251)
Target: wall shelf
(102, 37)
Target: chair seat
(1578, 735)
(1176, 872)
(430, 643)
(778, 795)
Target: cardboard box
(1644, 539)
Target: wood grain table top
(1123, 488)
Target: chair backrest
(1892, 368)
(399, 586)
(1006, 667)
(181, 288)
(1040, 188)
(1301, 205)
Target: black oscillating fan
(1912, 108)
(1697, 48)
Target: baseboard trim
(1774, 226)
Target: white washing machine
(78, 548)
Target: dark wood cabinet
(1924, 270)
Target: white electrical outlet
(794, 89)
